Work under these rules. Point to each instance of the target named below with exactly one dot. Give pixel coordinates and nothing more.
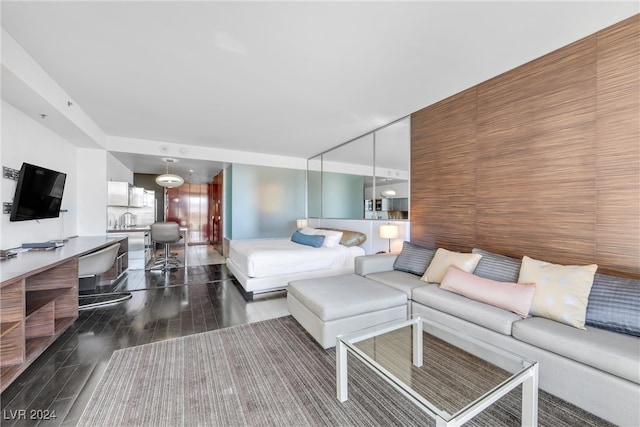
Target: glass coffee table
(443, 371)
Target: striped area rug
(270, 373)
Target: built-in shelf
(7, 327)
(36, 309)
(39, 301)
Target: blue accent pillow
(307, 239)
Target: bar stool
(165, 233)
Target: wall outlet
(9, 173)
(6, 208)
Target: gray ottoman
(329, 306)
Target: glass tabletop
(451, 375)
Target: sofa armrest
(367, 264)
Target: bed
(268, 265)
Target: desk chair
(165, 233)
(92, 265)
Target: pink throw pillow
(515, 297)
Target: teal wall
(263, 202)
(342, 195)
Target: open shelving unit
(36, 309)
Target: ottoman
(330, 306)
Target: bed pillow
(306, 239)
(308, 231)
(515, 297)
(349, 238)
(413, 259)
(331, 238)
(562, 291)
(444, 258)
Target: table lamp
(389, 231)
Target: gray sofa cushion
(337, 297)
(608, 351)
(497, 267)
(413, 259)
(486, 315)
(614, 304)
(400, 280)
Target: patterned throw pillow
(614, 304)
(562, 291)
(413, 259)
(444, 258)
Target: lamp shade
(388, 231)
(169, 180)
(302, 223)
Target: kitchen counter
(141, 248)
(132, 229)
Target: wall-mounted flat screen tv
(38, 193)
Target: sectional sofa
(594, 364)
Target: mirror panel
(367, 178)
(344, 170)
(392, 154)
(314, 187)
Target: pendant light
(169, 180)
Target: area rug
(269, 373)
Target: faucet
(122, 223)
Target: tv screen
(38, 193)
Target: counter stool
(165, 233)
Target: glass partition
(314, 187)
(392, 153)
(344, 170)
(367, 178)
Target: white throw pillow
(308, 231)
(444, 258)
(331, 238)
(562, 291)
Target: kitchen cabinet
(136, 197)
(118, 193)
(125, 195)
(139, 249)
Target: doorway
(189, 205)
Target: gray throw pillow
(497, 267)
(413, 259)
(614, 304)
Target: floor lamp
(389, 231)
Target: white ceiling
(288, 78)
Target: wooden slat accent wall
(543, 160)
(443, 199)
(618, 148)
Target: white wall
(117, 171)
(92, 191)
(24, 139)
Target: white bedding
(274, 257)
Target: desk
(39, 301)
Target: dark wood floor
(163, 306)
